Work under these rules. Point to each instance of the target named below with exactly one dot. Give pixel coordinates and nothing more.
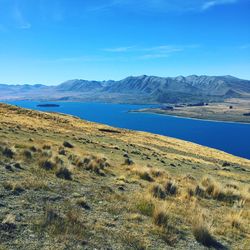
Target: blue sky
(50, 41)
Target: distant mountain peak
(139, 89)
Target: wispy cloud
(209, 4)
(119, 49)
(162, 5)
(153, 52)
(152, 56)
(164, 48)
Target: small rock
(121, 188)
(125, 155)
(226, 164)
(17, 165)
(62, 152)
(9, 167)
(67, 144)
(128, 161)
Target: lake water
(233, 138)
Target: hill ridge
(138, 89)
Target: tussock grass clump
(235, 219)
(135, 217)
(64, 173)
(47, 164)
(132, 241)
(27, 154)
(30, 182)
(33, 149)
(74, 159)
(145, 206)
(58, 160)
(46, 153)
(232, 185)
(199, 191)
(8, 152)
(8, 185)
(94, 164)
(213, 189)
(201, 231)
(143, 173)
(164, 224)
(168, 234)
(46, 147)
(146, 176)
(171, 188)
(158, 191)
(67, 224)
(16, 187)
(189, 192)
(156, 173)
(160, 217)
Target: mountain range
(139, 89)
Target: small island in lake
(48, 105)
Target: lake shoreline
(213, 134)
(187, 117)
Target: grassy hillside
(71, 184)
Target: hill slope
(68, 183)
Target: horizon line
(92, 80)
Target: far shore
(186, 117)
(232, 112)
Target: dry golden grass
(235, 219)
(202, 231)
(151, 203)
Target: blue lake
(233, 138)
